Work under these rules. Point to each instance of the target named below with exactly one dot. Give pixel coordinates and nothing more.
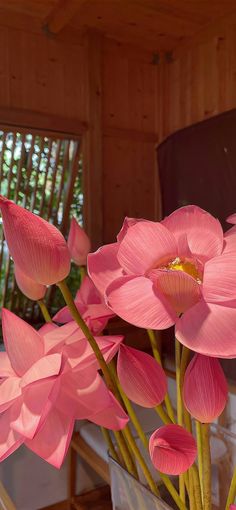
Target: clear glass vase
(130, 494)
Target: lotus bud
(172, 449)
(78, 243)
(231, 219)
(29, 287)
(37, 247)
(205, 388)
(141, 377)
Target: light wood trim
(62, 127)
(92, 142)
(61, 15)
(90, 456)
(5, 501)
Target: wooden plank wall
(112, 87)
(199, 80)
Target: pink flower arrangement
(180, 271)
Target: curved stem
(232, 491)
(206, 457)
(156, 354)
(163, 415)
(179, 406)
(44, 311)
(109, 443)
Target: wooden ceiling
(153, 24)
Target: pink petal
(9, 439)
(128, 222)
(6, 369)
(137, 301)
(78, 243)
(205, 390)
(104, 267)
(52, 441)
(86, 390)
(47, 366)
(231, 219)
(219, 278)
(29, 287)
(23, 344)
(57, 337)
(80, 355)
(230, 241)
(64, 315)
(109, 345)
(88, 294)
(210, 329)
(141, 377)
(31, 410)
(204, 232)
(172, 449)
(9, 391)
(47, 327)
(146, 245)
(36, 246)
(113, 417)
(179, 288)
(232, 507)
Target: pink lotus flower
(172, 449)
(232, 507)
(141, 377)
(91, 306)
(37, 247)
(78, 243)
(43, 391)
(29, 287)
(181, 271)
(205, 388)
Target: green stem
(199, 450)
(110, 444)
(206, 457)
(44, 311)
(111, 385)
(170, 487)
(156, 354)
(163, 415)
(196, 486)
(179, 406)
(232, 491)
(82, 272)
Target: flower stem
(196, 487)
(199, 449)
(82, 272)
(232, 491)
(110, 444)
(179, 406)
(156, 354)
(165, 479)
(126, 434)
(206, 458)
(163, 415)
(44, 311)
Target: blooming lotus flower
(29, 287)
(205, 389)
(141, 377)
(172, 449)
(42, 392)
(91, 306)
(181, 271)
(78, 243)
(38, 248)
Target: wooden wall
(199, 80)
(109, 87)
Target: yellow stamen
(186, 267)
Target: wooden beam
(61, 15)
(92, 142)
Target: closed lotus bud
(141, 377)
(172, 449)
(37, 247)
(205, 388)
(78, 243)
(29, 287)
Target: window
(44, 174)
